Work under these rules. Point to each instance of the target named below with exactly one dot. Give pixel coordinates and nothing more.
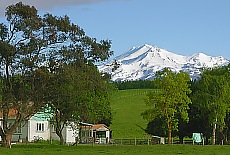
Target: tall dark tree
(211, 98)
(31, 47)
(171, 99)
(79, 95)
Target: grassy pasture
(116, 150)
(127, 106)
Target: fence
(146, 141)
(135, 141)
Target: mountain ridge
(141, 63)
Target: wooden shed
(102, 134)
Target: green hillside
(127, 106)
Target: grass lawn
(116, 150)
(127, 106)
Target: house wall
(15, 137)
(0, 126)
(33, 132)
(54, 136)
(68, 134)
(24, 126)
(107, 135)
(29, 131)
(23, 134)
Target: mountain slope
(142, 63)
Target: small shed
(102, 134)
(158, 140)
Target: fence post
(92, 141)
(135, 141)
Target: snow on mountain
(143, 62)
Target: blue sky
(181, 26)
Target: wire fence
(136, 141)
(148, 141)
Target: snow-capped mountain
(143, 62)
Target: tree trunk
(169, 136)
(59, 127)
(214, 135)
(6, 140)
(169, 132)
(181, 138)
(59, 132)
(62, 142)
(206, 139)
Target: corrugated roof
(44, 115)
(12, 113)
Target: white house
(39, 127)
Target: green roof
(44, 115)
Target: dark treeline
(208, 113)
(139, 84)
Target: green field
(127, 123)
(116, 150)
(127, 106)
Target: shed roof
(98, 126)
(101, 127)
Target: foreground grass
(116, 150)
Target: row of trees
(138, 84)
(182, 106)
(211, 102)
(49, 60)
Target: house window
(18, 129)
(40, 127)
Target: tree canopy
(32, 47)
(170, 100)
(211, 98)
